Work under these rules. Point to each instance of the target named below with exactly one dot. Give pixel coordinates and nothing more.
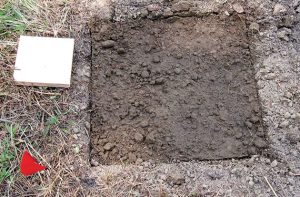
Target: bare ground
(275, 46)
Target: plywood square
(44, 61)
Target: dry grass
(41, 118)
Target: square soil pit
(175, 89)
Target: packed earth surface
(173, 89)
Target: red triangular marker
(29, 165)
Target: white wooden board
(44, 61)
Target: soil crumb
(175, 89)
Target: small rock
(181, 6)
(254, 119)
(94, 162)
(108, 44)
(167, 12)
(226, 13)
(194, 76)
(115, 96)
(278, 8)
(251, 183)
(132, 157)
(260, 143)
(288, 95)
(144, 123)
(76, 149)
(144, 64)
(139, 161)
(144, 13)
(108, 146)
(215, 175)
(156, 59)
(294, 138)
(223, 114)
(248, 124)
(284, 33)
(284, 124)
(75, 137)
(177, 71)
(159, 81)
(238, 8)
(287, 21)
(274, 163)
(239, 135)
(150, 137)
(221, 1)
(121, 50)
(176, 178)
(254, 27)
(294, 152)
(270, 76)
(153, 7)
(287, 115)
(145, 74)
(138, 137)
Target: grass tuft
(8, 152)
(13, 18)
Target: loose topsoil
(173, 89)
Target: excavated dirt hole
(176, 89)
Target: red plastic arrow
(29, 165)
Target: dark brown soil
(173, 89)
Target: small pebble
(167, 12)
(145, 74)
(153, 7)
(177, 71)
(76, 149)
(108, 44)
(94, 162)
(176, 178)
(254, 27)
(274, 163)
(75, 137)
(287, 115)
(226, 13)
(278, 8)
(181, 6)
(260, 143)
(238, 8)
(284, 124)
(270, 76)
(138, 137)
(144, 13)
(159, 81)
(131, 157)
(248, 124)
(251, 183)
(108, 146)
(144, 123)
(155, 59)
(284, 33)
(288, 95)
(121, 51)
